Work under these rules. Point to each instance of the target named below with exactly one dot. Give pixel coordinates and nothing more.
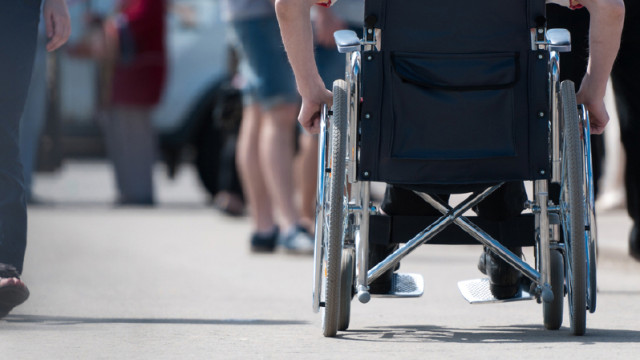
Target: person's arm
(57, 22)
(605, 30)
(297, 36)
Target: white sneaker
(297, 241)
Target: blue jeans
(18, 33)
(35, 113)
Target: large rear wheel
(573, 211)
(336, 209)
(591, 230)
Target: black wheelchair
(462, 95)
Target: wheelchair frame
(565, 232)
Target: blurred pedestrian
(266, 140)
(135, 48)
(346, 14)
(226, 118)
(18, 34)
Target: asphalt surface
(178, 281)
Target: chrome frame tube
(319, 226)
(353, 94)
(544, 250)
(556, 158)
(362, 242)
(486, 239)
(429, 232)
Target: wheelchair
(463, 95)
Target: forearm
(297, 36)
(607, 18)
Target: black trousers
(18, 33)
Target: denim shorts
(267, 76)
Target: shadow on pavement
(70, 320)
(510, 334)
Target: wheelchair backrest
(454, 93)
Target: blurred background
(197, 104)
(197, 89)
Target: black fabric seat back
(456, 95)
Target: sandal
(11, 295)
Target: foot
(13, 291)
(297, 240)
(377, 253)
(634, 242)
(503, 278)
(264, 242)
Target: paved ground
(177, 281)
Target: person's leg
(505, 203)
(132, 146)
(307, 172)
(229, 198)
(276, 159)
(251, 175)
(33, 118)
(18, 31)
(274, 89)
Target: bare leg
(307, 171)
(276, 158)
(251, 174)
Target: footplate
(477, 292)
(404, 286)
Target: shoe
(297, 241)
(11, 295)
(264, 242)
(634, 242)
(504, 279)
(377, 253)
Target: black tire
(592, 287)
(338, 143)
(572, 211)
(553, 311)
(346, 289)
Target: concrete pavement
(178, 281)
